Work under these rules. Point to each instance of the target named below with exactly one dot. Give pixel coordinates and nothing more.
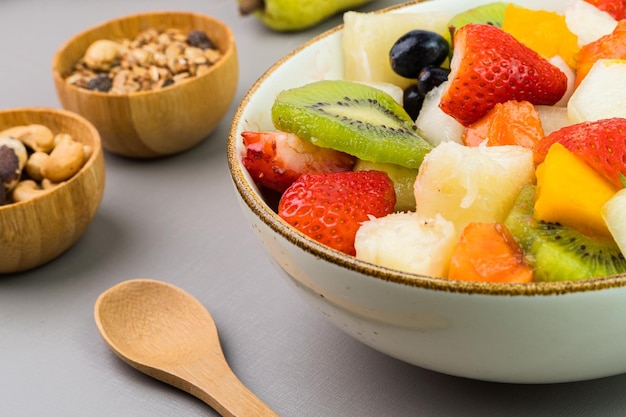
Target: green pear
(294, 15)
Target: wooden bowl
(153, 123)
(36, 231)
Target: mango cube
(571, 193)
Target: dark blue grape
(412, 101)
(417, 49)
(431, 77)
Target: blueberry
(412, 101)
(431, 77)
(417, 49)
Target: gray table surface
(176, 219)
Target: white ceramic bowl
(521, 333)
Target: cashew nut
(88, 150)
(34, 163)
(58, 138)
(65, 160)
(102, 54)
(13, 157)
(46, 184)
(35, 136)
(26, 190)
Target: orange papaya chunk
(488, 252)
(509, 123)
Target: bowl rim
(96, 153)
(261, 209)
(229, 52)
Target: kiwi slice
(490, 14)
(559, 253)
(355, 118)
(403, 179)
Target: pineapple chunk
(600, 95)
(614, 214)
(368, 37)
(407, 242)
(472, 184)
(571, 193)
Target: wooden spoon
(166, 333)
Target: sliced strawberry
(601, 144)
(277, 159)
(490, 66)
(330, 207)
(616, 8)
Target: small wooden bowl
(36, 231)
(153, 123)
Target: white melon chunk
(588, 22)
(435, 125)
(614, 215)
(560, 63)
(601, 94)
(552, 118)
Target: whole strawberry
(330, 207)
(601, 144)
(490, 66)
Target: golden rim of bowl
(254, 201)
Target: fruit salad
(489, 145)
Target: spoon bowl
(164, 332)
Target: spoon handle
(213, 381)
